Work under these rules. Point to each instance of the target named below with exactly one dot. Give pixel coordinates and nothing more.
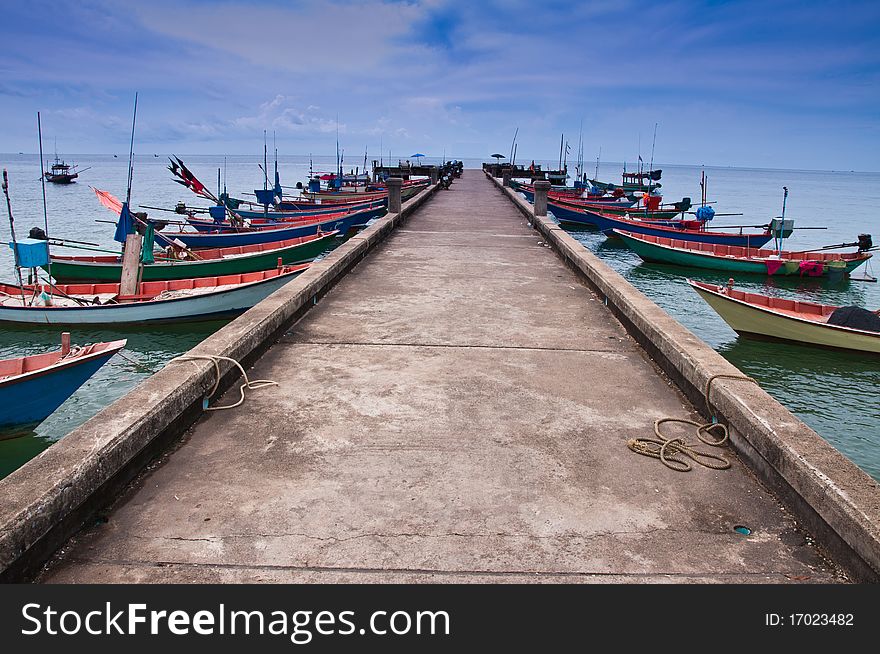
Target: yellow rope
(672, 451)
(250, 385)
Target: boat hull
(75, 271)
(207, 306)
(250, 237)
(655, 253)
(364, 216)
(280, 215)
(608, 224)
(28, 402)
(749, 320)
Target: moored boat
(33, 387)
(687, 230)
(627, 210)
(199, 263)
(753, 314)
(644, 181)
(217, 236)
(203, 298)
(736, 259)
(364, 215)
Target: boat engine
(865, 243)
(39, 234)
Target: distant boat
(32, 387)
(62, 173)
(753, 314)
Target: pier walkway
(455, 409)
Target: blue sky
(767, 84)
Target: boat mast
(12, 229)
(43, 184)
(561, 141)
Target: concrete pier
(456, 409)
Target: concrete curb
(52, 496)
(837, 501)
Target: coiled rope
(672, 451)
(250, 385)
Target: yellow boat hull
(744, 318)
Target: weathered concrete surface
(51, 496)
(455, 409)
(838, 501)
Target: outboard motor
(180, 208)
(299, 185)
(865, 243)
(39, 234)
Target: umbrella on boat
(498, 156)
(416, 155)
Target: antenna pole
(131, 149)
(652, 148)
(43, 184)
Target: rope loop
(674, 452)
(215, 359)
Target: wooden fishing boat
(278, 214)
(33, 387)
(733, 259)
(409, 189)
(572, 194)
(753, 314)
(687, 230)
(306, 203)
(200, 263)
(644, 181)
(61, 173)
(203, 298)
(218, 237)
(670, 212)
(364, 215)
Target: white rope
(251, 385)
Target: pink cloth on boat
(773, 265)
(811, 268)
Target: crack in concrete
(291, 340)
(787, 575)
(451, 534)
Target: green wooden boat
(196, 263)
(734, 259)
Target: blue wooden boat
(32, 387)
(682, 230)
(364, 216)
(249, 236)
(316, 210)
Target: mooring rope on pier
(668, 449)
(216, 359)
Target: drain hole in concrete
(740, 529)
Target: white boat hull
(206, 306)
